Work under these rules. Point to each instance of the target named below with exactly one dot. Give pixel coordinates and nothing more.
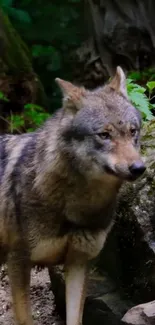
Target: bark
(18, 81)
(118, 33)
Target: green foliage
(16, 14)
(35, 114)
(143, 76)
(139, 98)
(3, 97)
(52, 30)
(48, 54)
(31, 118)
(151, 86)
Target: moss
(16, 54)
(151, 192)
(152, 166)
(143, 151)
(151, 125)
(16, 59)
(146, 137)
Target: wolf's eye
(104, 135)
(133, 132)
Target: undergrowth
(33, 115)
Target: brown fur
(59, 187)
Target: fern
(138, 97)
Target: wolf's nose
(137, 169)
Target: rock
(104, 303)
(129, 254)
(143, 314)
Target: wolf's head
(101, 129)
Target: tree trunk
(118, 33)
(18, 81)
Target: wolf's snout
(137, 169)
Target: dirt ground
(43, 306)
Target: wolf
(59, 185)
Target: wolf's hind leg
(19, 274)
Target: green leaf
(30, 130)
(29, 107)
(17, 121)
(139, 99)
(141, 102)
(128, 81)
(135, 75)
(150, 85)
(2, 96)
(6, 3)
(35, 113)
(41, 50)
(36, 50)
(132, 86)
(20, 15)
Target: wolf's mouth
(126, 177)
(110, 171)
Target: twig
(5, 120)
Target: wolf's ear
(72, 94)
(118, 83)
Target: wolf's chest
(51, 250)
(92, 211)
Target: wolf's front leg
(84, 246)
(19, 275)
(75, 277)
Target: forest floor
(42, 299)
